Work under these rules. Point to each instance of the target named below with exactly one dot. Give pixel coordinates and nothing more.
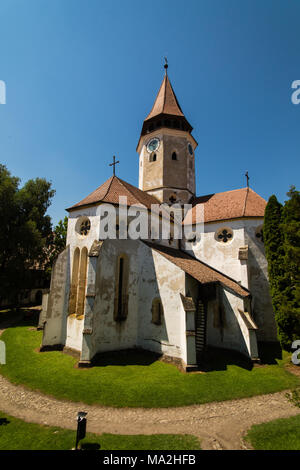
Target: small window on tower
(152, 157)
(174, 156)
(173, 198)
(190, 148)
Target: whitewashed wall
(261, 304)
(161, 278)
(233, 335)
(221, 256)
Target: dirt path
(219, 425)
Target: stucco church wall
(219, 255)
(161, 278)
(261, 304)
(74, 333)
(57, 306)
(74, 239)
(109, 335)
(233, 335)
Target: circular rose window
(83, 226)
(224, 235)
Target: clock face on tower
(153, 144)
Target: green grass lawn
(133, 379)
(281, 434)
(16, 434)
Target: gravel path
(219, 425)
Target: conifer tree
(290, 306)
(281, 237)
(273, 241)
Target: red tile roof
(228, 205)
(200, 271)
(110, 191)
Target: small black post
(81, 427)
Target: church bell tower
(167, 150)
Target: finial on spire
(166, 65)
(247, 176)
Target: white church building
(175, 296)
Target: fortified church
(176, 297)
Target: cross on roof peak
(114, 165)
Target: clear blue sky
(82, 75)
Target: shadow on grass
(4, 421)
(269, 352)
(219, 359)
(90, 446)
(19, 317)
(213, 359)
(126, 357)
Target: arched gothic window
(74, 282)
(82, 282)
(121, 289)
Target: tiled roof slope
(166, 101)
(110, 191)
(228, 205)
(200, 271)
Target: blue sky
(81, 76)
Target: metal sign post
(81, 427)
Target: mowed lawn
(133, 380)
(281, 434)
(16, 434)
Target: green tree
(273, 240)
(281, 237)
(58, 242)
(291, 246)
(25, 229)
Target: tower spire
(166, 110)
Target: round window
(260, 234)
(224, 235)
(83, 226)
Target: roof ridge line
(157, 95)
(129, 189)
(112, 178)
(222, 192)
(165, 93)
(245, 203)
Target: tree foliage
(25, 228)
(282, 245)
(58, 241)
